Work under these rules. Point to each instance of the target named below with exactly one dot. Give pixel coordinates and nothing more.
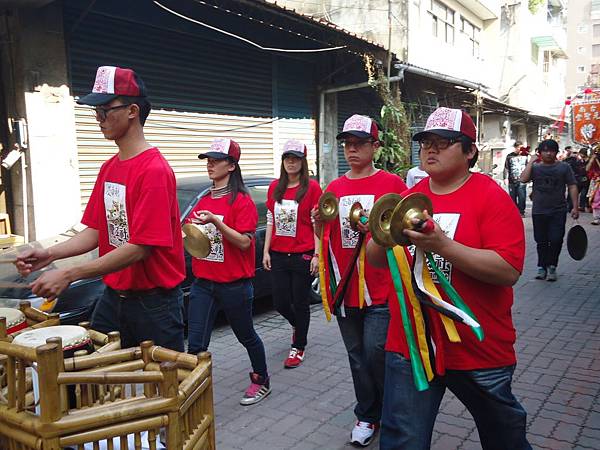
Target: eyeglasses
(357, 144)
(101, 113)
(440, 144)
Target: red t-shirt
(479, 215)
(343, 239)
(292, 228)
(135, 201)
(226, 262)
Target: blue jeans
(548, 232)
(518, 192)
(409, 415)
(364, 332)
(290, 280)
(156, 316)
(207, 298)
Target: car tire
(315, 292)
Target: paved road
(557, 377)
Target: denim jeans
(207, 298)
(518, 193)
(157, 317)
(364, 332)
(548, 232)
(291, 281)
(409, 415)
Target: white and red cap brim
(449, 123)
(112, 82)
(222, 148)
(294, 147)
(360, 126)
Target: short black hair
(548, 144)
(142, 103)
(466, 144)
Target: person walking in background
(228, 216)
(132, 217)
(363, 326)
(513, 167)
(585, 180)
(549, 211)
(290, 243)
(414, 175)
(578, 167)
(593, 172)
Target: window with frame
(580, 69)
(596, 51)
(442, 22)
(596, 30)
(472, 34)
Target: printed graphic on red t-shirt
(116, 213)
(217, 252)
(286, 218)
(348, 236)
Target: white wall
(53, 160)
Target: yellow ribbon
(405, 274)
(448, 323)
(322, 280)
(361, 274)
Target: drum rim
(16, 321)
(76, 342)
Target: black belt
(130, 293)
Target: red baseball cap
(222, 148)
(449, 123)
(112, 82)
(359, 126)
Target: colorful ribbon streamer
(405, 275)
(323, 274)
(419, 378)
(456, 299)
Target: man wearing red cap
(364, 315)
(478, 245)
(133, 218)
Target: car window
(186, 200)
(259, 196)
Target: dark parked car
(76, 303)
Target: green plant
(534, 5)
(393, 154)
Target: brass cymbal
(328, 206)
(195, 241)
(410, 207)
(355, 214)
(380, 219)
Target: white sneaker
(362, 433)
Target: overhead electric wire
(273, 49)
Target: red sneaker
(294, 359)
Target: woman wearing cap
(290, 242)
(228, 216)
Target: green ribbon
(415, 359)
(454, 296)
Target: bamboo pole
(128, 366)
(169, 389)
(114, 430)
(50, 410)
(183, 360)
(109, 377)
(18, 351)
(182, 374)
(60, 367)
(22, 436)
(3, 330)
(102, 359)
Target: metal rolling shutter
(363, 101)
(199, 90)
(181, 137)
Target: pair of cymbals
(196, 242)
(392, 214)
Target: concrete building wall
(583, 31)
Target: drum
(74, 338)
(15, 320)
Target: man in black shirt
(549, 212)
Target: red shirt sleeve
(270, 198)
(156, 193)
(90, 215)
(246, 215)
(503, 227)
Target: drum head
(72, 336)
(15, 319)
(577, 242)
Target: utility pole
(389, 65)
